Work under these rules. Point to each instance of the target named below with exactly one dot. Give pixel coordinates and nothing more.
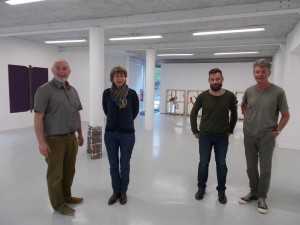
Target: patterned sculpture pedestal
(94, 142)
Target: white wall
(113, 59)
(137, 75)
(194, 76)
(20, 52)
(287, 70)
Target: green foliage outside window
(157, 76)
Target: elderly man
(56, 120)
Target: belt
(67, 134)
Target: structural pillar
(96, 115)
(150, 87)
(127, 62)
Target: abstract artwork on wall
(23, 83)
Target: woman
(121, 106)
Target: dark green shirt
(215, 119)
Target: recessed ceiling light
(176, 54)
(135, 38)
(16, 2)
(229, 31)
(234, 53)
(65, 41)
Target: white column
(96, 114)
(149, 92)
(127, 61)
(96, 49)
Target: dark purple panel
(18, 88)
(39, 76)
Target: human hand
(44, 149)
(275, 133)
(80, 140)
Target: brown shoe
(65, 210)
(123, 198)
(113, 199)
(74, 200)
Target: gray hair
(262, 63)
(60, 60)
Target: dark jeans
(220, 144)
(119, 167)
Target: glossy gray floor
(162, 186)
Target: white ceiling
(176, 20)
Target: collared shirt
(60, 107)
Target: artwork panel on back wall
(23, 83)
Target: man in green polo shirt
(56, 120)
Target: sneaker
(74, 200)
(222, 197)
(200, 194)
(248, 198)
(65, 210)
(262, 206)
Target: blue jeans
(119, 167)
(220, 144)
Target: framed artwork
(191, 98)
(175, 101)
(239, 97)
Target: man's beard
(216, 87)
(61, 80)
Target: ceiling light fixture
(135, 38)
(229, 31)
(66, 41)
(16, 2)
(234, 53)
(176, 54)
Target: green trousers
(61, 167)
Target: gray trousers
(259, 149)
